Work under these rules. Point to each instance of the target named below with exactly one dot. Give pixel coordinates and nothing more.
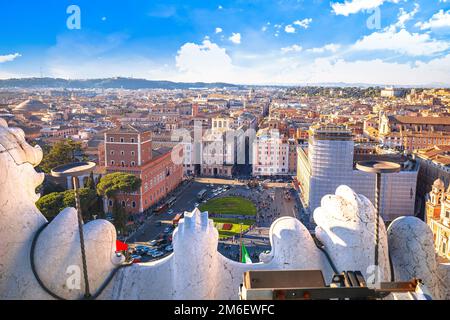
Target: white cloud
(355, 6)
(303, 23)
(402, 41)
(381, 72)
(9, 57)
(218, 30)
(264, 28)
(207, 61)
(300, 23)
(196, 61)
(405, 16)
(235, 38)
(293, 48)
(331, 47)
(289, 29)
(439, 20)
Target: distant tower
(445, 209)
(433, 205)
(195, 110)
(250, 93)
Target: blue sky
(260, 41)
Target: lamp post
(240, 243)
(377, 167)
(75, 170)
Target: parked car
(157, 254)
(170, 211)
(151, 252)
(196, 204)
(167, 230)
(169, 248)
(136, 258)
(139, 252)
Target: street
(271, 203)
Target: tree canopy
(51, 204)
(62, 152)
(110, 185)
(113, 183)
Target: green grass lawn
(229, 205)
(235, 230)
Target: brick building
(438, 218)
(411, 133)
(129, 149)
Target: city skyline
(380, 42)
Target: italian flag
(245, 255)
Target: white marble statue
(346, 223)
(195, 270)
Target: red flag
(121, 246)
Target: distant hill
(134, 84)
(108, 83)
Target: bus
(202, 194)
(160, 209)
(177, 219)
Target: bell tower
(433, 205)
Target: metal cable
(377, 218)
(322, 248)
(87, 293)
(51, 293)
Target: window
(133, 163)
(121, 140)
(112, 152)
(112, 162)
(133, 204)
(123, 204)
(122, 163)
(122, 153)
(132, 140)
(110, 203)
(132, 153)
(111, 139)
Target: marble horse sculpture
(195, 269)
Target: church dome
(31, 106)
